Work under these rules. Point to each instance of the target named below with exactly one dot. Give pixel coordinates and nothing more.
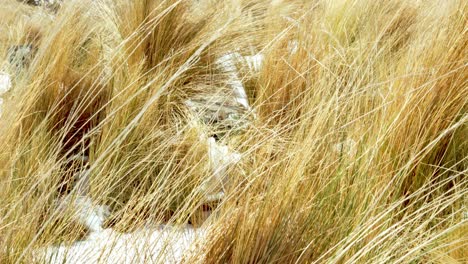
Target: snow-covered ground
(5, 83)
(5, 86)
(159, 245)
(228, 63)
(166, 244)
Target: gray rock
(222, 113)
(228, 111)
(20, 56)
(39, 2)
(50, 4)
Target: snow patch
(5, 86)
(254, 62)
(221, 158)
(347, 147)
(85, 212)
(293, 46)
(5, 83)
(227, 63)
(158, 245)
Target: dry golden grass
(386, 81)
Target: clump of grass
(356, 153)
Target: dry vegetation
(355, 151)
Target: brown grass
(109, 79)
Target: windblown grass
(357, 152)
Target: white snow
(158, 245)
(5, 83)
(227, 63)
(254, 62)
(164, 244)
(85, 212)
(5, 86)
(215, 197)
(221, 158)
(347, 147)
(293, 46)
